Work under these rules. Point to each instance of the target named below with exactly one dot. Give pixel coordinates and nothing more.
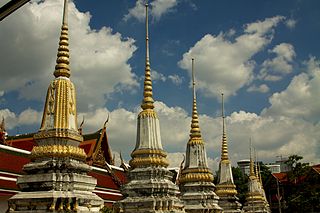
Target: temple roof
(18, 154)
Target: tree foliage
(241, 182)
(303, 192)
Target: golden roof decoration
(147, 102)
(62, 63)
(224, 147)
(195, 128)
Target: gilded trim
(148, 161)
(58, 151)
(148, 152)
(196, 177)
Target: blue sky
(264, 55)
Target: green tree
(298, 169)
(241, 182)
(303, 192)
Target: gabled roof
(25, 142)
(97, 148)
(13, 159)
(282, 177)
(316, 168)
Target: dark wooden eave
(10, 7)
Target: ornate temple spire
(56, 178)
(255, 198)
(256, 164)
(149, 181)
(148, 149)
(224, 147)
(60, 111)
(252, 173)
(196, 179)
(226, 189)
(195, 128)
(147, 102)
(62, 67)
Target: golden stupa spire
(252, 173)
(224, 147)
(195, 129)
(147, 102)
(256, 164)
(62, 63)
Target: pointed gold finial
(256, 163)
(147, 102)
(62, 63)
(224, 147)
(105, 123)
(81, 126)
(195, 129)
(251, 161)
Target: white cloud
(1, 93)
(272, 135)
(138, 11)
(175, 79)
(263, 88)
(27, 117)
(31, 34)
(299, 100)
(224, 65)
(158, 9)
(291, 23)
(156, 76)
(274, 69)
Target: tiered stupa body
(196, 179)
(56, 179)
(258, 175)
(255, 199)
(226, 189)
(150, 187)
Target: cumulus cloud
(156, 76)
(272, 135)
(157, 10)
(175, 79)
(31, 34)
(274, 69)
(299, 100)
(263, 88)
(27, 117)
(225, 65)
